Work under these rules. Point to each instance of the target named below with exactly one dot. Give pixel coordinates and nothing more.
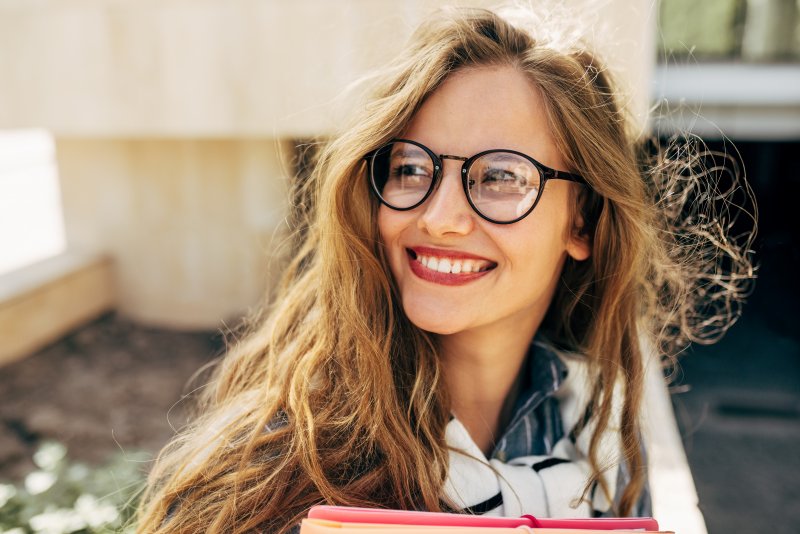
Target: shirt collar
(544, 373)
(546, 370)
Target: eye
(503, 179)
(409, 169)
(410, 173)
(501, 175)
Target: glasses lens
(503, 186)
(402, 174)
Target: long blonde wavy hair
(333, 396)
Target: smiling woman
(519, 264)
(461, 327)
(484, 316)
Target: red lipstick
(448, 279)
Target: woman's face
(518, 264)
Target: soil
(111, 385)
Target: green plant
(62, 497)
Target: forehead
(481, 108)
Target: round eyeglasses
(502, 186)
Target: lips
(447, 267)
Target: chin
(438, 329)
(434, 321)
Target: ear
(579, 246)
(579, 242)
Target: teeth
(448, 265)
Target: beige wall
(168, 115)
(268, 68)
(190, 223)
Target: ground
(112, 385)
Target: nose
(447, 211)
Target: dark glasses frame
(546, 173)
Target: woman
(460, 329)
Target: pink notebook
(330, 515)
(322, 526)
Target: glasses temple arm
(563, 175)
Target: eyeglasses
(502, 186)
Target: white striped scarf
(540, 485)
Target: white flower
(94, 512)
(77, 472)
(49, 455)
(39, 482)
(57, 521)
(13, 531)
(7, 492)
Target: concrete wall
(189, 222)
(235, 68)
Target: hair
(333, 396)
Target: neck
(482, 367)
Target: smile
(446, 267)
(452, 265)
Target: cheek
(537, 259)
(390, 227)
(539, 246)
(387, 225)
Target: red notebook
(341, 519)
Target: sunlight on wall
(31, 220)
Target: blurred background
(146, 152)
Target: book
(343, 519)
